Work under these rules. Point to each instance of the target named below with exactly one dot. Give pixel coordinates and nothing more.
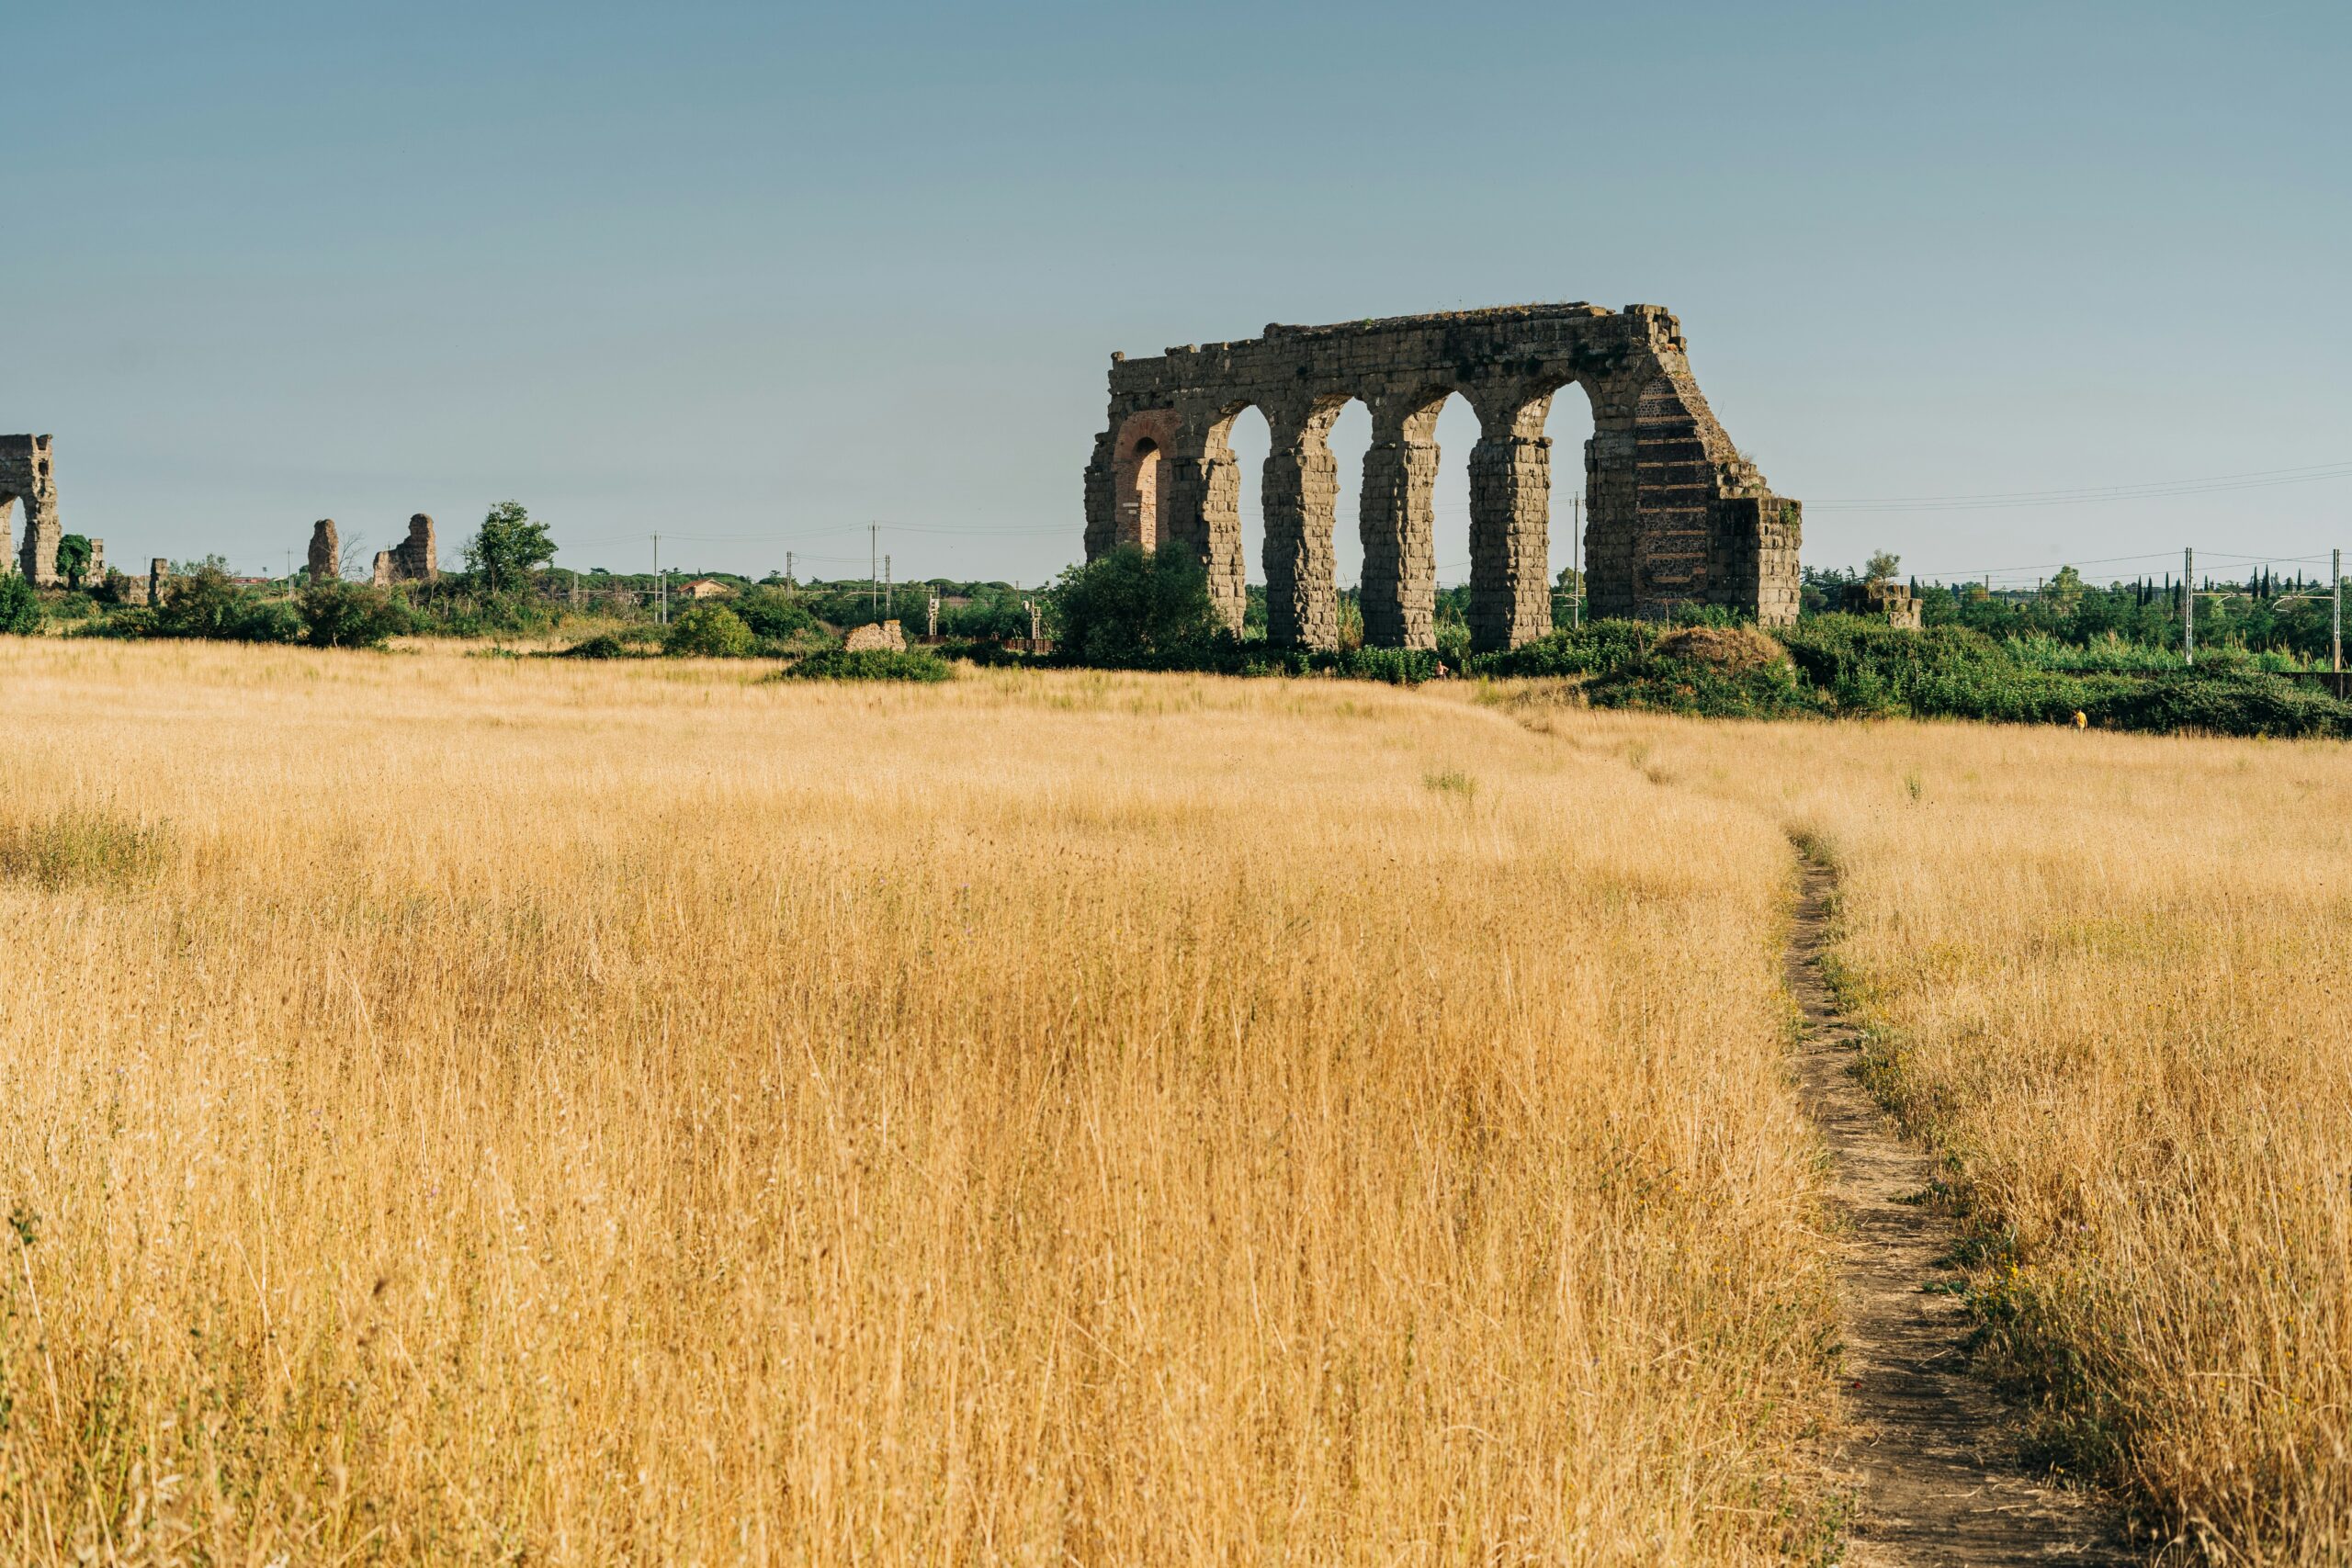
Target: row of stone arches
(1677, 515)
(1322, 481)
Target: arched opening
(1145, 502)
(1349, 439)
(1568, 425)
(1456, 431)
(1248, 437)
(1139, 477)
(1477, 507)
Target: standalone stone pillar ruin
(416, 558)
(1675, 515)
(26, 476)
(159, 571)
(326, 552)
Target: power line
(2088, 494)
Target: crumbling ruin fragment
(883, 637)
(1674, 514)
(159, 571)
(326, 555)
(1882, 600)
(26, 476)
(416, 558)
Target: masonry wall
(1676, 515)
(28, 480)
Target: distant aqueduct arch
(1674, 514)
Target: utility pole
(2188, 606)
(873, 563)
(2335, 616)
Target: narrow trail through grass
(1935, 1485)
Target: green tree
(772, 614)
(1882, 567)
(19, 607)
(1132, 601)
(73, 558)
(508, 547)
(337, 614)
(708, 631)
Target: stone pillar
(1300, 490)
(1752, 559)
(26, 474)
(1611, 498)
(1203, 491)
(94, 574)
(1510, 554)
(418, 557)
(1399, 530)
(382, 575)
(159, 571)
(326, 555)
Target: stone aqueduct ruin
(1674, 514)
(26, 475)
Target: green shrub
(2226, 703)
(1704, 685)
(131, 622)
(772, 615)
(1131, 604)
(205, 603)
(449, 608)
(1397, 666)
(707, 631)
(1592, 649)
(866, 664)
(349, 615)
(19, 607)
(604, 647)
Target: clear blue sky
(776, 271)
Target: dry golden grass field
(467, 1110)
(2113, 980)
(480, 1110)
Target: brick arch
(1145, 442)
